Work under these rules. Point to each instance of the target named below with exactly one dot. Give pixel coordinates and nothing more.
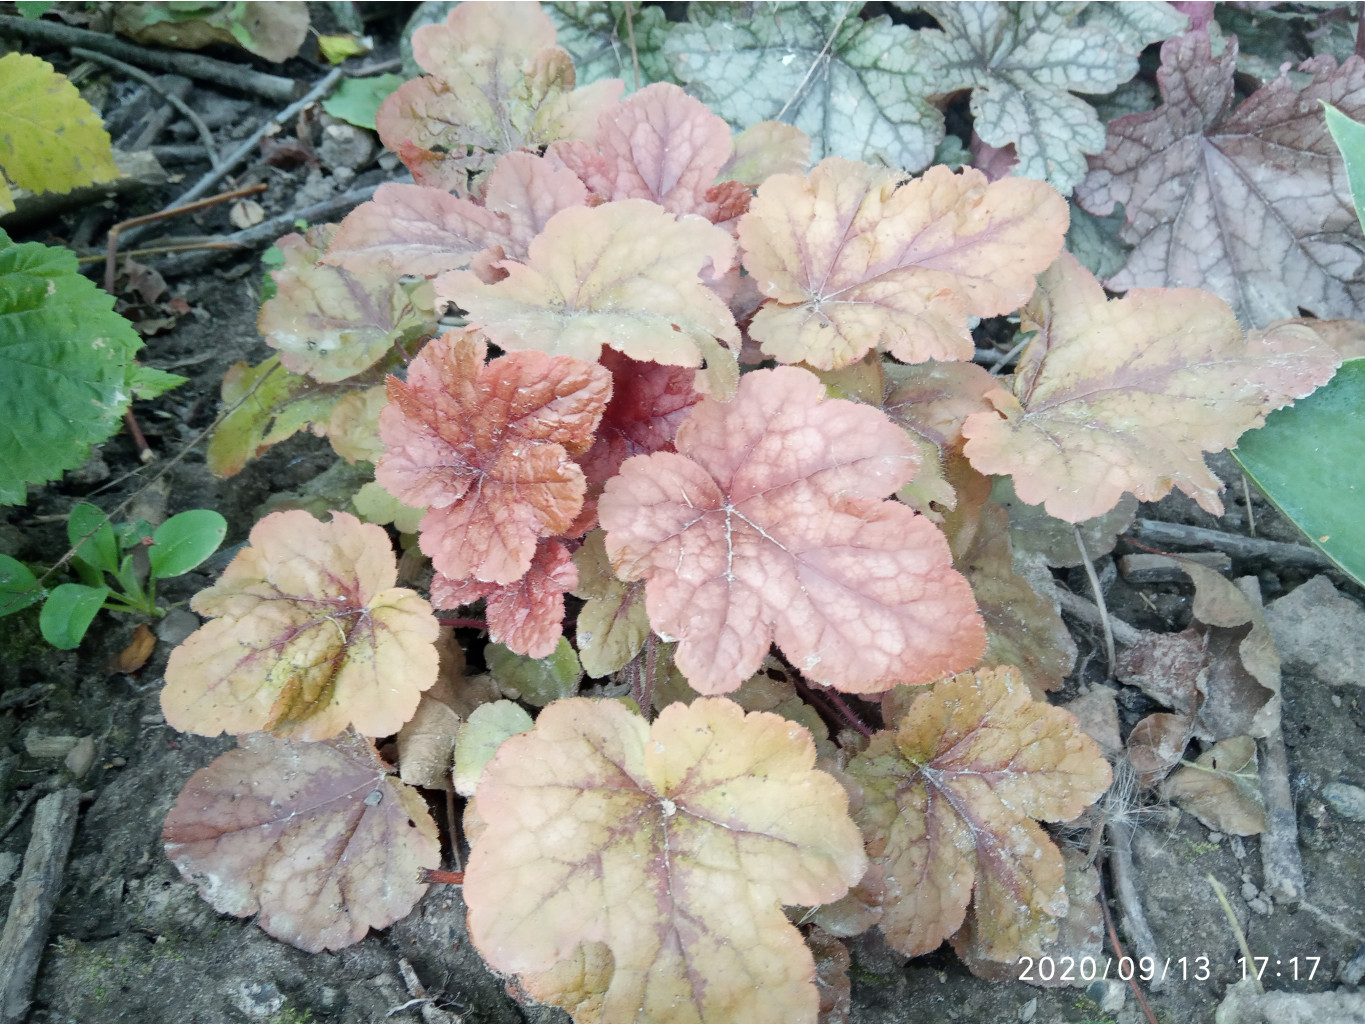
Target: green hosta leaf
(1349, 136)
(18, 587)
(1023, 62)
(535, 680)
(853, 86)
(185, 540)
(357, 99)
(66, 365)
(92, 535)
(1309, 460)
(68, 612)
(51, 140)
(598, 38)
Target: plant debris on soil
(131, 940)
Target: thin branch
(1118, 951)
(1157, 532)
(205, 136)
(249, 146)
(1099, 600)
(819, 59)
(192, 65)
(630, 35)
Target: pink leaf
(316, 839)
(489, 449)
(526, 615)
(769, 524)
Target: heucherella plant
(725, 401)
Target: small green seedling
(133, 554)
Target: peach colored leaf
(854, 258)
(409, 229)
(527, 614)
(662, 145)
(353, 426)
(769, 524)
(1024, 629)
(489, 449)
(316, 839)
(612, 624)
(765, 149)
(949, 802)
(625, 274)
(1080, 934)
(1127, 394)
(674, 845)
(496, 84)
(330, 324)
(309, 635)
(1251, 203)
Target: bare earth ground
(131, 941)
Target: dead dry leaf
(1222, 788)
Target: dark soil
(132, 941)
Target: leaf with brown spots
(949, 802)
(315, 839)
(309, 635)
(674, 846)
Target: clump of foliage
(134, 554)
(731, 407)
(67, 369)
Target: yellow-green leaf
(51, 140)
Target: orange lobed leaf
(309, 636)
(328, 323)
(949, 800)
(856, 258)
(626, 274)
(526, 615)
(769, 524)
(489, 449)
(316, 839)
(672, 845)
(1127, 394)
(496, 83)
(411, 229)
(662, 145)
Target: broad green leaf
(66, 365)
(34, 8)
(481, 735)
(51, 140)
(357, 99)
(18, 586)
(183, 541)
(1310, 461)
(68, 612)
(1023, 62)
(535, 680)
(852, 85)
(1349, 135)
(599, 36)
(92, 535)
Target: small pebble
(1345, 799)
(1249, 891)
(1027, 1011)
(1109, 993)
(1215, 838)
(1261, 905)
(1336, 700)
(1239, 848)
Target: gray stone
(1318, 629)
(1345, 799)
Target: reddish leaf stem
(1118, 951)
(833, 704)
(443, 877)
(464, 623)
